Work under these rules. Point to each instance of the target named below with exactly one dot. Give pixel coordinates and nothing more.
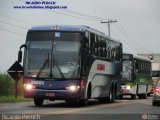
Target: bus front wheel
(133, 96)
(83, 102)
(38, 101)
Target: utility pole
(108, 22)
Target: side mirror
(20, 53)
(19, 56)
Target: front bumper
(55, 94)
(156, 97)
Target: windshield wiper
(43, 66)
(56, 63)
(59, 69)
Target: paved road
(120, 110)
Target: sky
(137, 26)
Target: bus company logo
(144, 117)
(101, 67)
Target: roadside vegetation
(12, 99)
(7, 89)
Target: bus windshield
(127, 71)
(52, 55)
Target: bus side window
(111, 50)
(116, 56)
(120, 49)
(136, 66)
(107, 49)
(86, 40)
(139, 66)
(97, 46)
(104, 49)
(85, 57)
(92, 43)
(106, 52)
(101, 48)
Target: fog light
(73, 88)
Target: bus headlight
(29, 86)
(73, 88)
(128, 87)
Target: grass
(12, 99)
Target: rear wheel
(142, 96)
(110, 99)
(145, 96)
(102, 100)
(149, 94)
(154, 103)
(38, 101)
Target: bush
(7, 85)
(20, 87)
(12, 99)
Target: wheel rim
(110, 96)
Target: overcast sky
(138, 26)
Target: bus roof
(141, 58)
(70, 28)
(136, 57)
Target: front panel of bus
(128, 68)
(128, 74)
(52, 65)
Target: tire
(38, 102)
(102, 100)
(120, 96)
(148, 94)
(83, 103)
(140, 96)
(154, 103)
(67, 101)
(133, 96)
(145, 96)
(110, 99)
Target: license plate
(50, 94)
